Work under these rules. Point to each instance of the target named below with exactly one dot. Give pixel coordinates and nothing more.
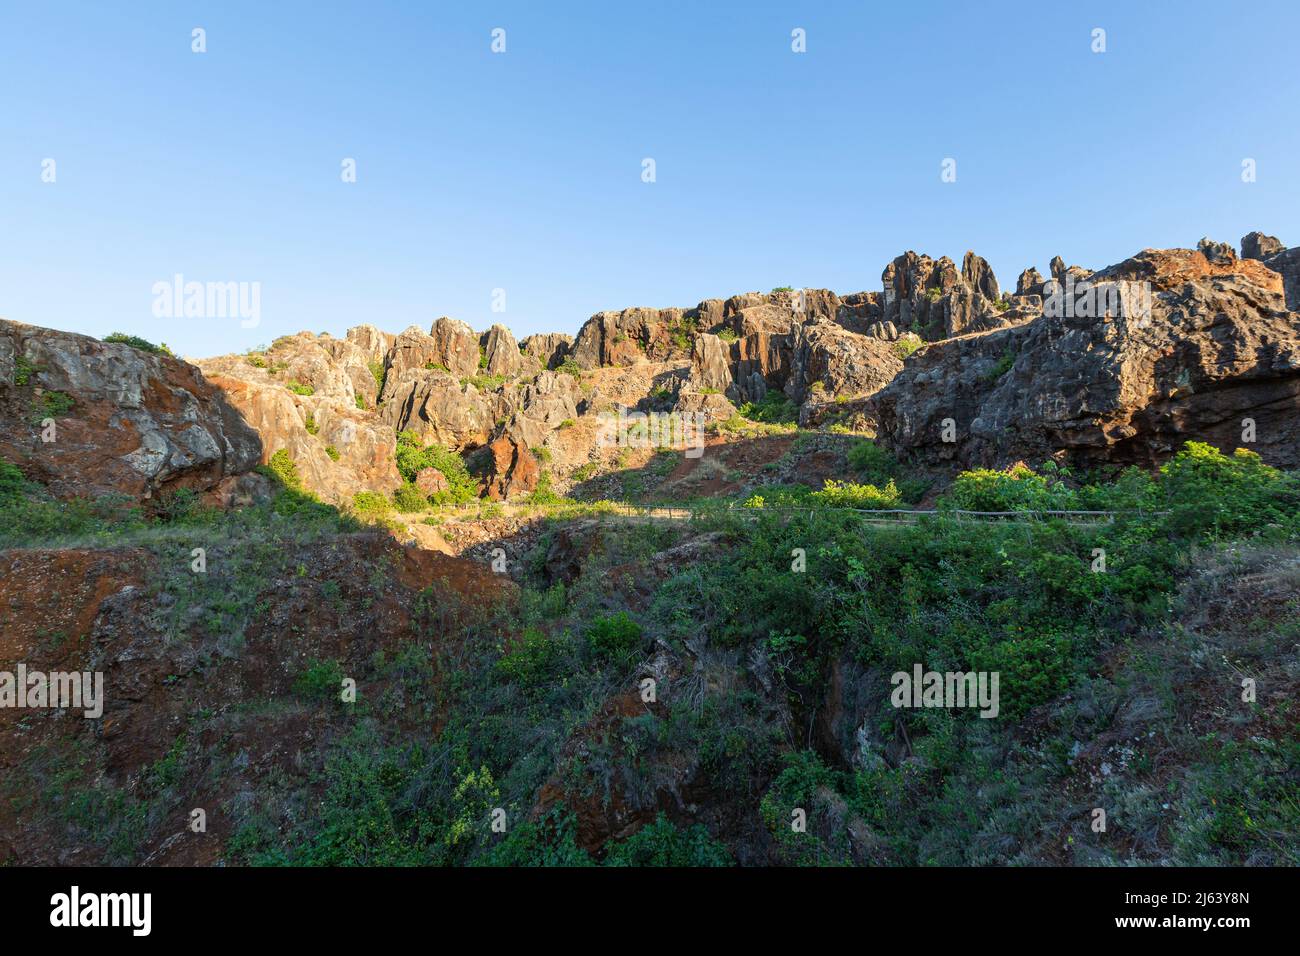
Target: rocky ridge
(1109, 367)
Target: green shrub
(360, 401)
(136, 342)
(1220, 495)
(534, 658)
(408, 499)
(371, 506)
(320, 681)
(903, 347)
(332, 452)
(544, 493)
(1002, 366)
(663, 843)
(614, 636)
(282, 468)
(1019, 488)
(569, 367)
(52, 404)
(310, 424)
(23, 371)
(298, 388)
(12, 483)
(774, 408)
(872, 462)
(413, 456)
(485, 383)
(847, 494)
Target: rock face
(1285, 262)
(125, 421)
(438, 408)
(845, 364)
(501, 352)
(431, 481)
(1216, 347)
(1116, 366)
(513, 469)
(302, 397)
(933, 300)
(549, 349)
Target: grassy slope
(1120, 690)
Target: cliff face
(1116, 366)
(89, 418)
(1114, 377)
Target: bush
(136, 342)
(371, 506)
(408, 499)
(1212, 493)
(52, 405)
(282, 468)
(614, 636)
(903, 347)
(872, 462)
(298, 388)
(846, 494)
(773, 409)
(320, 681)
(1018, 488)
(413, 456)
(534, 658)
(663, 843)
(12, 483)
(1001, 367)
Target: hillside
(442, 597)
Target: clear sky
(522, 171)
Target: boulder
(1214, 347)
(430, 481)
(438, 408)
(846, 364)
(512, 469)
(1256, 245)
(502, 352)
(125, 421)
(1285, 262)
(1030, 282)
(549, 349)
(456, 347)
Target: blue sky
(522, 171)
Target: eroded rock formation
(89, 418)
